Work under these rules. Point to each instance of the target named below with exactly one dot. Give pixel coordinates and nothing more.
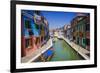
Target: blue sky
(58, 19)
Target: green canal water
(63, 52)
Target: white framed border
(20, 65)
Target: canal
(63, 52)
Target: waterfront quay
(82, 51)
(31, 57)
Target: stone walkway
(37, 53)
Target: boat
(47, 55)
(53, 40)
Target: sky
(58, 19)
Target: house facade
(81, 30)
(34, 31)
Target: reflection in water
(63, 52)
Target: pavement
(31, 57)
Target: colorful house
(33, 31)
(81, 30)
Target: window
(87, 27)
(87, 41)
(36, 26)
(31, 32)
(28, 43)
(27, 24)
